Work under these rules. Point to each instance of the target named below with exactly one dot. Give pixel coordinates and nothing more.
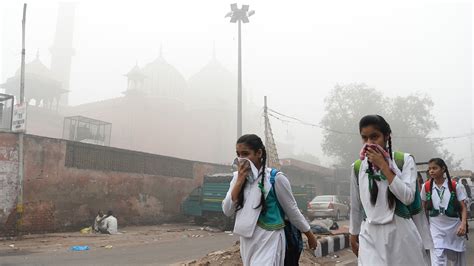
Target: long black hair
(254, 143)
(380, 124)
(441, 163)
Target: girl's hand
(312, 242)
(461, 230)
(355, 244)
(376, 158)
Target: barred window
(87, 156)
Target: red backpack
(452, 210)
(428, 186)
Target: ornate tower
(62, 51)
(135, 79)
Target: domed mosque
(41, 85)
(213, 86)
(163, 80)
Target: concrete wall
(58, 197)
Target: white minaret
(62, 51)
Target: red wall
(58, 198)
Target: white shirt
(284, 195)
(403, 187)
(110, 223)
(444, 192)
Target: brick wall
(64, 193)
(9, 183)
(66, 183)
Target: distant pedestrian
(262, 199)
(467, 188)
(444, 201)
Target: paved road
(163, 253)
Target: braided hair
(441, 163)
(254, 143)
(380, 124)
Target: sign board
(19, 118)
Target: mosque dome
(163, 80)
(213, 85)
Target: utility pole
(272, 153)
(19, 205)
(22, 76)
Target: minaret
(135, 79)
(62, 51)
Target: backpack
(450, 211)
(453, 195)
(294, 240)
(401, 209)
(428, 186)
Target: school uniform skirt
(263, 248)
(395, 243)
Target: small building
(87, 130)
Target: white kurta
(265, 247)
(385, 238)
(443, 228)
(110, 224)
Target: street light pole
(239, 15)
(239, 85)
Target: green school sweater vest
(273, 218)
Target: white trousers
(440, 257)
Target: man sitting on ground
(109, 224)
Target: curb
(331, 244)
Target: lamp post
(239, 16)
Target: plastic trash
(79, 248)
(86, 230)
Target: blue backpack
(294, 240)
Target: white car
(328, 206)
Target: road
(156, 246)
(163, 253)
(144, 245)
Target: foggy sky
(294, 52)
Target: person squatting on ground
(262, 199)
(98, 221)
(385, 202)
(444, 201)
(106, 224)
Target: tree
(409, 117)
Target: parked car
(328, 206)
